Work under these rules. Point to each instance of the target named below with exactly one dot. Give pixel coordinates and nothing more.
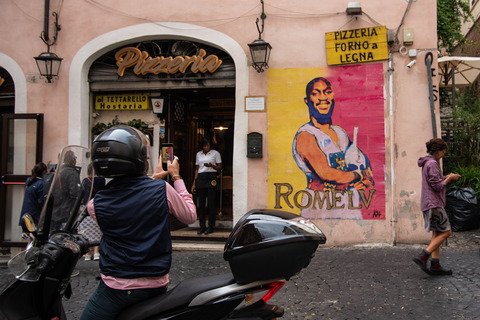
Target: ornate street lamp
(48, 63)
(260, 49)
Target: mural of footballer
(334, 166)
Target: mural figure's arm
(363, 166)
(308, 149)
(366, 180)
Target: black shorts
(436, 219)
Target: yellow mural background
(286, 90)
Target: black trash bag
(462, 209)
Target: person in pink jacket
(133, 213)
(432, 204)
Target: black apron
(206, 180)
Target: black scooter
(265, 249)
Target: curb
(4, 262)
(189, 246)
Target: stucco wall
(296, 31)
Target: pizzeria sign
(356, 45)
(142, 63)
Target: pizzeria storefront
(176, 92)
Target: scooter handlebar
(85, 244)
(47, 256)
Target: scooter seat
(179, 296)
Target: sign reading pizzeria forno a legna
(123, 102)
(356, 45)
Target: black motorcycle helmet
(120, 151)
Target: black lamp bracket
(263, 16)
(46, 22)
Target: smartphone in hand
(167, 152)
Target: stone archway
(78, 118)
(19, 80)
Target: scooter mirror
(28, 224)
(21, 265)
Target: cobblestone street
(362, 282)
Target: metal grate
(179, 112)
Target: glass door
(21, 141)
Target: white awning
(466, 69)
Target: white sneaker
(96, 256)
(88, 257)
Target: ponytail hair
(37, 172)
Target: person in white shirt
(207, 163)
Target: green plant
(469, 177)
(450, 16)
(135, 123)
(466, 122)
(99, 128)
(139, 124)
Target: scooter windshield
(69, 190)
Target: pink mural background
(359, 101)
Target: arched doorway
(182, 107)
(79, 91)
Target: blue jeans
(106, 303)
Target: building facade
(183, 71)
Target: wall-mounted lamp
(260, 49)
(48, 63)
(354, 8)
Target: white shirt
(325, 144)
(212, 156)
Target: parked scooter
(265, 249)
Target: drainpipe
(392, 146)
(428, 63)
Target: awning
(466, 70)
